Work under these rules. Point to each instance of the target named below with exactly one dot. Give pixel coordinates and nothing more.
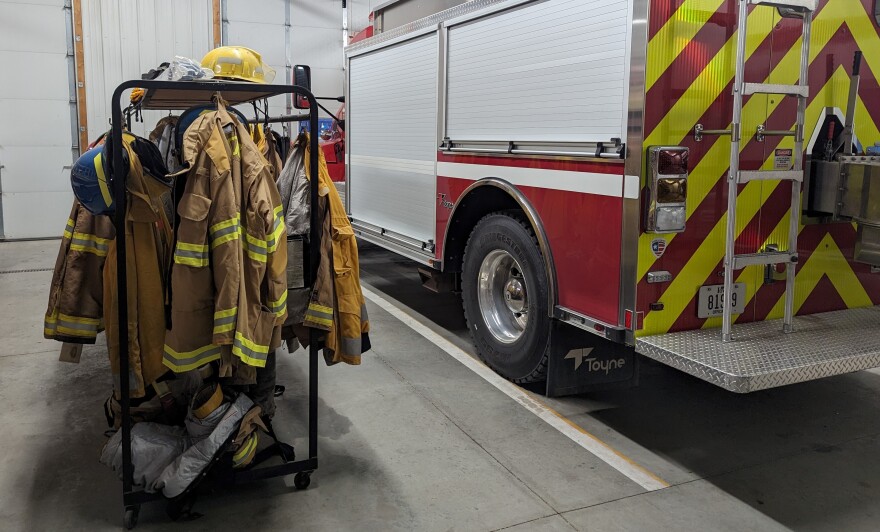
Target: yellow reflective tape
(277, 234)
(102, 180)
(76, 332)
(191, 247)
(76, 319)
(92, 238)
(236, 146)
(226, 327)
(190, 261)
(250, 352)
(250, 344)
(224, 239)
(315, 319)
(68, 229)
(826, 260)
(199, 357)
(320, 308)
(88, 249)
(282, 299)
(256, 256)
(255, 241)
(679, 121)
(226, 313)
(676, 33)
(246, 449)
(226, 223)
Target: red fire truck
(689, 180)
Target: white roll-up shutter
(549, 71)
(392, 121)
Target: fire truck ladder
(802, 9)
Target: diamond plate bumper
(762, 356)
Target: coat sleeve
(276, 263)
(75, 310)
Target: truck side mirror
(302, 77)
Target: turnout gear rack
(169, 95)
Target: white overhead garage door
(35, 129)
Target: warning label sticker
(782, 159)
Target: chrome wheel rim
(503, 296)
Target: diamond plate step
(761, 357)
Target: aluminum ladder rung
(802, 9)
(803, 5)
(763, 259)
(770, 175)
(802, 91)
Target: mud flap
(580, 362)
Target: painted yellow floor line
(578, 435)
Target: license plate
(712, 298)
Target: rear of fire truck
(690, 180)
(719, 236)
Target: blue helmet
(92, 176)
(91, 184)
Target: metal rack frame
(201, 92)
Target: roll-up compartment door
(392, 136)
(548, 71)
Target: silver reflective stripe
(256, 249)
(229, 60)
(271, 241)
(351, 346)
(318, 315)
(277, 309)
(225, 231)
(250, 352)
(77, 326)
(191, 254)
(224, 321)
(89, 243)
(174, 360)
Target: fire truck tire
(505, 297)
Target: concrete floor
(413, 440)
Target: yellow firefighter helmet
(238, 62)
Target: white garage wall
(315, 40)
(35, 130)
(359, 13)
(122, 40)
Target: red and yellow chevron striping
(690, 64)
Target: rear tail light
(672, 161)
(667, 189)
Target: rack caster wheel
(302, 480)
(131, 517)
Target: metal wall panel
(548, 71)
(315, 40)
(35, 130)
(392, 128)
(122, 40)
